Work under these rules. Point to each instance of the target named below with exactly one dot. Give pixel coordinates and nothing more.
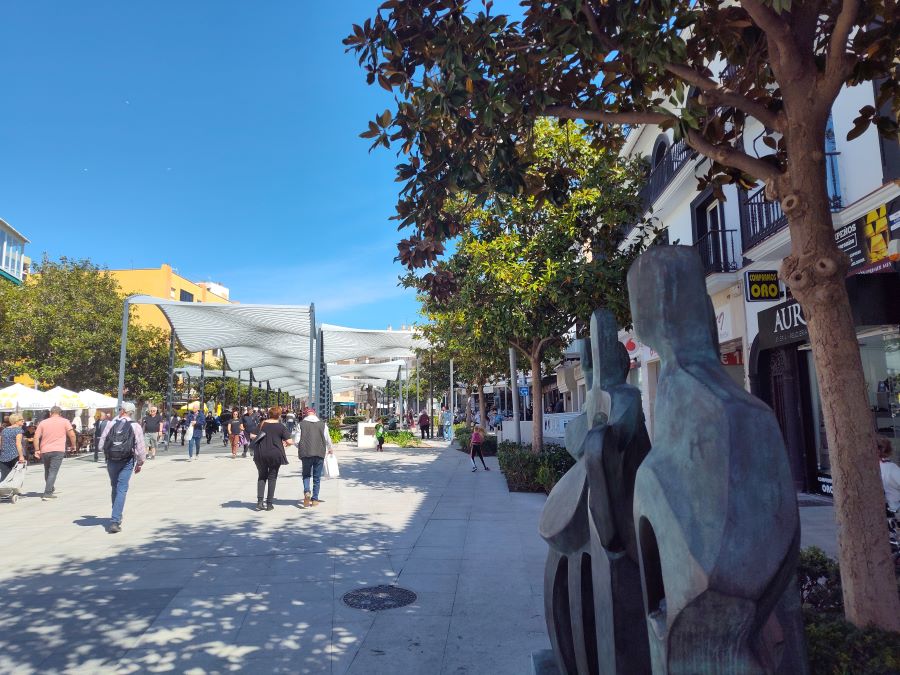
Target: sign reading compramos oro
(762, 286)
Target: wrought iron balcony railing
(718, 251)
(662, 174)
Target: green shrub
(335, 434)
(354, 419)
(526, 471)
(837, 647)
(405, 439)
(333, 424)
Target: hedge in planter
(526, 471)
(835, 646)
(488, 446)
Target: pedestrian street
(200, 582)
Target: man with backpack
(123, 446)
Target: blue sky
(218, 136)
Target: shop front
(783, 374)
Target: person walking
(174, 423)
(152, 431)
(269, 456)
(890, 473)
(196, 423)
(379, 435)
(313, 444)
(423, 424)
(475, 447)
(12, 447)
(50, 447)
(235, 432)
(183, 427)
(123, 446)
(250, 425)
(447, 421)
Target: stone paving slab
(199, 582)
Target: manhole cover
(185, 480)
(375, 598)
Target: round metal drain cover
(374, 598)
(184, 480)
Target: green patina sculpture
(714, 503)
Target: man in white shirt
(890, 474)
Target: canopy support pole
(123, 350)
(170, 389)
(203, 381)
(514, 390)
(312, 352)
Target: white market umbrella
(67, 399)
(97, 400)
(20, 397)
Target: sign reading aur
(762, 286)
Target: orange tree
(469, 84)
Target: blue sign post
(523, 391)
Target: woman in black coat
(269, 456)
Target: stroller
(13, 484)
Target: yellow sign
(762, 286)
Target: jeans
(194, 442)
(312, 466)
(120, 472)
(52, 461)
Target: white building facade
(741, 242)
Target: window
(659, 151)
(714, 243)
(186, 297)
(172, 293)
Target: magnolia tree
(527, 268)
(469, 84)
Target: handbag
(331, 466)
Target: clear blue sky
(220, 136)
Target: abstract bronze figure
(592, 587)
(714, 503)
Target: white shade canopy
(340, 343)
(388, 370)
(271, 340)
(19, 397)
(97, 400)
(66, 399)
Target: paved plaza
(200, 582)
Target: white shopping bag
(331, 466)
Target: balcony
(719, 252)
(760, 219)
(662, 174)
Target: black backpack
(119, 444)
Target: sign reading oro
(762, 286)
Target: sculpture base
(543, 663)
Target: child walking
(379, 435)
(475, 446)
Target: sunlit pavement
(200, 582)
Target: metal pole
(202, 380)
(312, 351)
(238, 397)
(268, 394)
(452, 393)
(170, 389)
(123, 350)
(514, 381)
(318, 370)
(224, 405)
(418, 387)
(400, 390)
(250, 391)
(431, 395)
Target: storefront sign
(735, 358)
(762, 286)
(825, 485)
(871, 242)
(782, 325)
(723, 323)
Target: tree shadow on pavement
(255, 596)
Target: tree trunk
(482, 407)
(815, 272)
(537, 414)
(468, 408)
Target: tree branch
(605, 39)
(731, 157)
(569, 113)
(774, 26)
(838, 62)
(722, 95)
